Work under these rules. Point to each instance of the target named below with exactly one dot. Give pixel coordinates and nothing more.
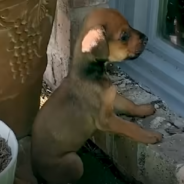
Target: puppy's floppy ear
(94, 42)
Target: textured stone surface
(58, 51)
(83, 3)
(162, 163)
(60, 47)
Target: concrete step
(161, 163)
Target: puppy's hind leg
(68, 169)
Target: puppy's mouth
(135, 56)
(137, 53)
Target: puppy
(86, 99)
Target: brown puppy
(85, 100)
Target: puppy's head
(108, 36)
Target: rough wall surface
(161, 163)
(84, 3)
(60, 48)
(58, 51)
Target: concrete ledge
(155, 164)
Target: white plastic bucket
(8, 174)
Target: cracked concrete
(164, 120)
(162, 163)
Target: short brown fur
(86, 99)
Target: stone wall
(58, 51)
(68, 13)
(84, 3)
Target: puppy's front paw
(145, 110)
(153, 137)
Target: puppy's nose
(144, 39)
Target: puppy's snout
(144, 39)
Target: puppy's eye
(124, 36)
